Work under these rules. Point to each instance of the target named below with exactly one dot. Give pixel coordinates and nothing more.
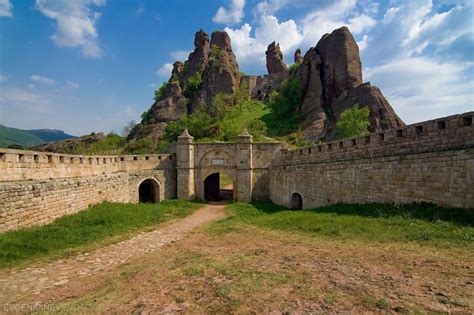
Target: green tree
(353, 122)
(288, 100)
(193, 84)
(242, 94)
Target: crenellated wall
(38, 187)
(431, 161)
(30, 165)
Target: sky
(93, 65)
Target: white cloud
(13, 98)
(363, 43)
(233, 15)
(269, 7)
(6, 8)
(165, 71)
(3, 78)
(72, 85)
(411, 27)
(43, 80)
(140, 9)
(249, 42)
(250, 49)
(75, 24)
(421, 88)
(344, 12)
(180, 55)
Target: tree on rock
(353, 122)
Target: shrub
(288, 100)
(353, 122)
(15, 146)
(159, 93)
(193, 84)
(141, 146)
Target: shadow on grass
(421, 211)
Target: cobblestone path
(14, 285)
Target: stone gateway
(431, 161)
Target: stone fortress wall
(38, 187)
(431, 161)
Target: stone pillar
(244, 167)
(185, 166)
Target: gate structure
(245, 161)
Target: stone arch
(149, 190)
(214, 153)
(212, 191)
(296, 201)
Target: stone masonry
(431, 161)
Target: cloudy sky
(92, 65)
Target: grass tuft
(69, 234)
(421, 223)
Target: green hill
(50, 135)
(28, 138)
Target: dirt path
(15, 285)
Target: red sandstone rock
(298, 56)
(275, 63)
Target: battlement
(446, 133)
(17, 165)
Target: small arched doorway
(148, 191)
(296, 202)
(218, 187)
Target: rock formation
(275, 63)
(222, 74)
(69, 145)
(197, 60)
(211, 63)
(298, 57)
(331, 74)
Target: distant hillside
(29, 138)
(50, 135)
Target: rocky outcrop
(215, 68)
(197, 60)
(177, 69)
(275, 63)
(381, 117)
(298, 56)
(222, 74)
(70, 145)
(342, 69)
(331, 75)
(312, 111)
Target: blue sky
(92, 65)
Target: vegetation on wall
(353, 122)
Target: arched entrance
(218, 187)
(296, 202)
(149, 191)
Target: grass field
(421, 223)
(224, 181)
(410, 259)
(96, 226)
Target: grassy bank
(100, 224)
(422, 223)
